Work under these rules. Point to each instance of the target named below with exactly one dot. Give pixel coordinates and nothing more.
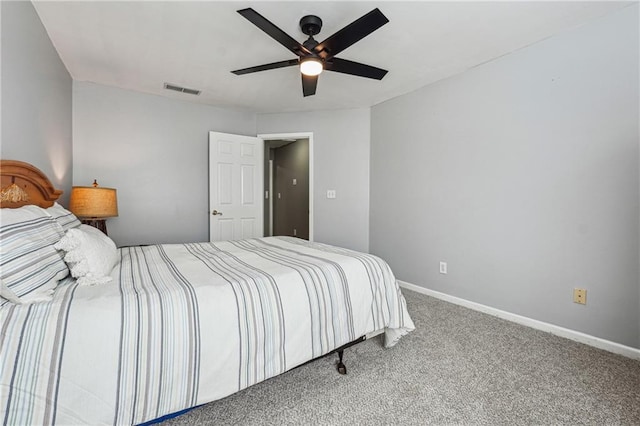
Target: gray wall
(341, 162)
(36, 97)
(522, 174)
(154, 151)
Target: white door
(235, 186)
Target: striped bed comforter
(185, 324)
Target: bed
(174, 325)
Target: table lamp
(93, 204)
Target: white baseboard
(529, 322)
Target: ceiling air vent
(181, 89)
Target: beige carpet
(458, 367)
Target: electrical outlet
(443, 267)
(331, 193)
(295, 232)
(580, 296)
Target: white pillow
(91, 255)
(30, 266)
(64, 217)
(8, 294)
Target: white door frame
(270, 199)
(298, 135)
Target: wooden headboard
(24, 184)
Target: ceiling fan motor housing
(310, 25)
(310, 43)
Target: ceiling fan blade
(354, 68)
(266, 67)
(309, 83)
(355, 31)
(276, 33)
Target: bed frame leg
(342, 369)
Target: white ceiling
(141, 45)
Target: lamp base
(101, 224)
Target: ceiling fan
(315, 57)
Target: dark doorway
(288, 161)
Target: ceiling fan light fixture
(311, 66)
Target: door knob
(216, 213)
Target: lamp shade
(93, 202)
(311, 66)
